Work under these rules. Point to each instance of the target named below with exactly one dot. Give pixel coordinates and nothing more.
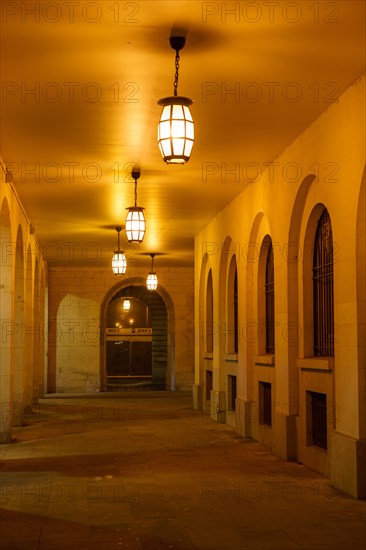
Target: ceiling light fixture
(152, 280)
(135, 221)
(119, 262)
(176, 128)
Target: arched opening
(323, 295)
(232, 342)
(209, 326)
(6, 296)
(37, 330)
(137, 345)
(19, 374)
(315, 305)
(128, 342)
(266, 309)
(28, 330)
(361, 302)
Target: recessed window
(317, 404)
(323, 288)
(208, 384)
(231, 392)
(265, 403)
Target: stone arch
(251, 331)
(43, 319)
(254, 331)
(231, 318)
(163, 316)
(38, 332)
(6, 348)
(307, 289)
(261, 279)
(19, 356)
(28, 333)
(293, 258)
(205, 270)
(361, 302)
(227, 253)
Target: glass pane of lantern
(119, 263)
(135, 226)
(165, 115)
(177, 111)
(152, 281)
(188, 148)
(178, 128)
(187, 113)
(189, 130)
(164, 130)
(178, 146)
(166, 147)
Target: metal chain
(135, 192)
(177, 58)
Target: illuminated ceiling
(258, 75)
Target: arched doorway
(135, 340)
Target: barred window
(269, 289)
(232, 328)
(323, 288)
(209, 314)
(236, 331)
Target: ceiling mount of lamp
(176, 127)
(135, 221)
(119, 262)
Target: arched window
(323, 288)
(232, 308)
(236, 334)
(269, 291)
(209, 314)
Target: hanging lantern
(151, 279)
(126, 305)
(135, 221)
(176, 127)
(119, 262)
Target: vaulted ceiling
(259, 73)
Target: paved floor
(138, 471)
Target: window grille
(209, 328)
(269, 288)
(236, 331)
(323, 288)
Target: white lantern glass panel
(175, 130)
(178, 129)
(119, 263)
(187, 113)
(152, 281)
(126, 305)
(135, 225)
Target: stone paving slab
(144, 471)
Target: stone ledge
(316, 363)
(265, 360)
